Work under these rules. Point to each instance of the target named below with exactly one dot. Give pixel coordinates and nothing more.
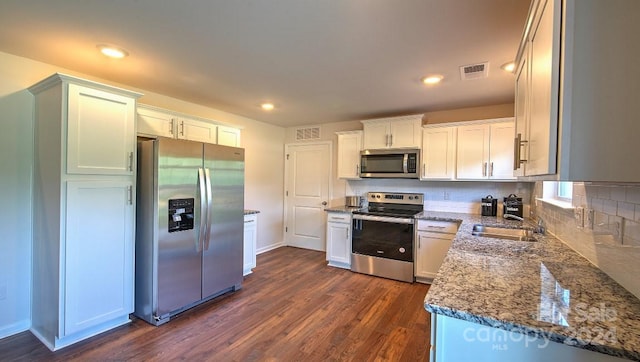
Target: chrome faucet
(538, 229)
(514, 217)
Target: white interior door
(307, 176)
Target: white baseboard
(14, 328)
(264, 249)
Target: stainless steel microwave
(390, 163)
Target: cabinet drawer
(448, 227)
(339, 217)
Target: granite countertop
(543, 289)
(343, 209)
(250, 212)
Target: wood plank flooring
(292, 308)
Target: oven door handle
(397, 220)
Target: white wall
(15, 170)
(264, 176)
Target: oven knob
(410, 197)
(402, 250)
(377, 196)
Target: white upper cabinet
(154, 122)
(349, 147)
(485, 151)
(581, 123)
(100, 131)
(537, 85)
(438, 153)
(195, 130)
(228, 136)
(396, 132)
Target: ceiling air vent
(474, 71)
(308, 133)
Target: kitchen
(265, 187)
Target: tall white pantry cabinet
(83, 211)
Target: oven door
(383, 237)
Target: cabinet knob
(324, 203)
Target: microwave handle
(405, 161)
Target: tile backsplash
(447, 196)
(609, 236)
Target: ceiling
(318, 61)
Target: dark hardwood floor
(292, 308)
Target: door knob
(324, 203)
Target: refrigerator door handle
(202, 231)
(207, 236)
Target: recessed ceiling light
(112, 52)
(508, 67)
(267, 106)
(432, 79)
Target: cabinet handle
(424, 170)
(348, 237)
(386, 140)
(182, 128)
(171, 126)
(357, 170)
(391, 140)
(484, 169)
(517, 151)
(131, 161)
(130, 195)
(248, 221)
(491, 169)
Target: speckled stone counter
(251, 212)
(343, 209)
(543, 289)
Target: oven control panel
(396, 198)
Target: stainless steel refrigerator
(189, 231)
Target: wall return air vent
(474, 71)
(308, 133)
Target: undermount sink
(498, 232)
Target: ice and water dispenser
(181, 214)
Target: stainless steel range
(382, 235)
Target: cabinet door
(250, 236)
(438, 153)
(522, 114)
(228, 136)
(349, 147)
(100, 132)
(405, 133)
(473, 152)
(430, 252)
(501, 151)
(154, 123)
(193, 130)
(545, 65)
(376, 135)
(339, 244)
(97, 254)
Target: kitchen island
(496, 299)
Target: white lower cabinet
(459, 340)
(98, 255)
(433, 239)
(250, 239)
(339, 240)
